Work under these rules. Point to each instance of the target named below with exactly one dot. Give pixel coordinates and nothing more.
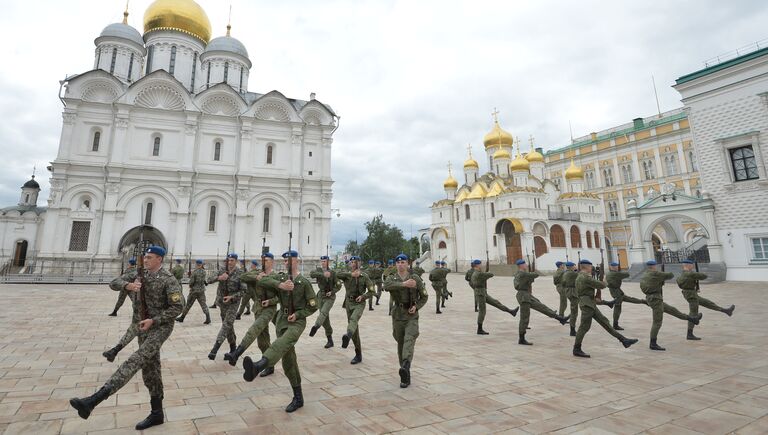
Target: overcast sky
(414, 81)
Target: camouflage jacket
(326, 285)
(614, 278)
(439, 275)
(652, 281)
(557, 278)
(468, 276)
(524, 280)
(569, 279)
(687, 280)
(197, 281)
(162, 294)
(360, 286)
(405, 297)
(480, 279)
(301, 301)
(418, 270)
(231, 287)
(586, 286)
(257, 290)
(118, 284)
(375, 273)
(178, 272)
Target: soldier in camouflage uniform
(228, 296)
(178, 271)
(359, 287)
(586, 287)
(390, 269)
(375, 273)
(557, 279)
(523, 284)
(247, 299)
(438, 277)
(328, 286)
(651, 284)
(479, 285)
(407, 290)
(123, 293)
(297, 302)
(196, 293)
(688, 283)
(468, 279)
(613, 279)
(133, 329)
(160, 301)
(265, 300)
(417, 269)
(568, 281)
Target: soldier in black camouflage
(228, 300)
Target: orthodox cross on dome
(469, 149)
(530, 139)
(449, 168)
(495, 115)
(34, 169)
(229, 20)
(125, 14)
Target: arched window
(156, 146)
(217, 151)
(226, 71)
(208, 78)
(87, 204)
(575, 237)
(114, 60)
(212, 218)
(148, 213)
(442, 245)
(597, 240)
(608, 176)
(241, 79)
(557, 236)
(26, 199)
(265, 224)
(693, 161)
(172, 65)
(96, 140)
(669, 163)
(466, 211)
(589, 239)
(270, 153)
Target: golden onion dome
(184, 16)
(534, 156)
(450, 183)
(497, 136)
(471, 163)
(501, 153)
(574, 172)
(520, 164)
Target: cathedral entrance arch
(20, 253)
(510, 230)
(137, 239)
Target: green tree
(352, 248)
(411, 248)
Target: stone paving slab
(51, 339)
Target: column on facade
(108, 220)
(660, 169)
(681, 166)
(65, 140)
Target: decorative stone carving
(99, 92)
(69, 118)
(296, 139)
(273, 112)
(190, 129)
(113, 188)
(243, 194)
(121, 123)
(221, 105)
(160, 97)
(184, 191)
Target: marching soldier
(568, 282)
(417, 269)
(178, 271)
(390, 269)
(375, 272)
(479, 284)
(265, 299)
(129, 275)
(245, 302)
(328, 286)
(228, 300)
(444, 282)
(297, 302)
(407, 290)
(123, 293)
(651, 284)
(359, 287)
(557, 278)
(688, 282)
(468, 279)
(523, 283)
(197, 285)
(613, 279)
(160, 301)
(586, 286)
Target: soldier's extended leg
(204, 306)
(353, 316)
(545, 310)
(496, 304)
(284, 342)
(706, 303)
(693, 311)
(258, 331)
(587, 313)
(227, 331)
(409, 336)
(398, 333)
(323, 318)
(370, 304)
(657, 306)
(618, 298)
(480, 295)
(120, 300)
(525, 317)
(130, 334)
(563, 302)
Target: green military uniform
(614, 279)
(585, 290)
(568, 282)
(375, 273)
(326, 295)
(133, 329)
(229, 287)
(652, 284)
(523, 282)
(389, 270)
(418, 270)
(123, 294)
(438, 277)
(687, 282)
(178, 272)
(354, 287)
(479, 284)
(247, 300)
(196, 293)
(468, 279)
(259, 329)
(405, 326)
(557, 279)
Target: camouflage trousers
(228, 312)
(694, 301)
(589, 312)
(121, 299)
(563, 301)
(284, 349)
(405, 333)
(259, 329)
(354, 313)
(483, 298)
(527, 303)
(146, 359)
(245, 304)
(199, 296)
(620, 297)
(656, 302)
(323, 315)
(570, 293)
(130, 334)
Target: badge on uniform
(312, 302)
(175, 297)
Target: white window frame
(752, 254)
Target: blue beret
(371, 262)
(569, 264)
(292, 254)
(476, 262)
(255, 262)
(268, 255)
(401, 257)
(558, 263)
(585, 261)
(232, 255)
(132, 261)
(520, 262)
(687, 261)
(390, 261)
(178, 260)
(614, 264)
(198, 261)
(650, 263)
(324, 257)
(438, 262)
(378, 262)
(354, 258)
(157, 250)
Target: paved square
(51, 339)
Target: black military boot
(617, 327)
(213, 306)
(298, 400)
(695, 320)
(313, 330)
(563, 320)
(358, 357)
(514, 311)
(266, 372)
(442, 305)
(377, 299)
(207, 319)
(232, 348)
(578, 352)
(573, 331)
(345, 340)
(729, 310)
(251, 369)
(85, 405)
(155, 416)
(480, 329)
(655, 346)
(370, 304)
(329, 344)
(113, 313)
(112, 353)
(237, 317)
(233, 356)
(214, 351)
(180, 319)
(247, 312)
(610, 304)
(523, 341)
(690, 335)
(626, 342)
(405, 374)
(437, 311)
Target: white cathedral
(512, 211)
(163, 140)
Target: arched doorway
(137, 239)
(540, 245)
(20, 253)
(513, 244)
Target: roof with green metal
(722, 66)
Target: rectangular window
(78, 240)
(96, 140)
(130, 68)
(241, 79)
(212, 219)
(466, 211)
(208, 79)
(310, 153)
(217, 151)
(226, 71)
(493, 210)
(172, 65)
(743, 163)
(114, 60)
(156, 147)
(760, 248)
(194, 71)
(494, 241)
(150, 55)
(310, 172)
